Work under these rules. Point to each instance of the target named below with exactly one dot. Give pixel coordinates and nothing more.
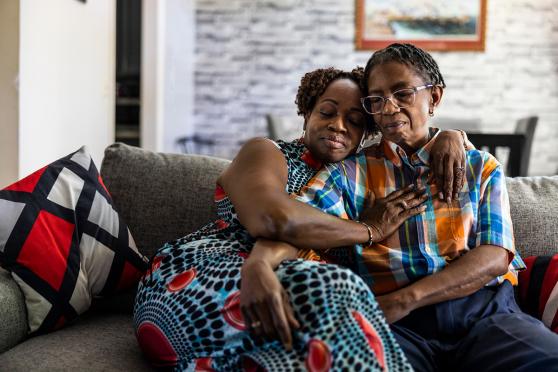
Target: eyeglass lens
(401, 99)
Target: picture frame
(435, 25)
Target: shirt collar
(395, 153)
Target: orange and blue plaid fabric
(425, 243)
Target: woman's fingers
(278, 314)
(413, 206)
(414, 194)
(438, 175)
(397, 193)
(401, 203)
(409, 198)
(448, 179)
(412, 212)
(253, 324)
(265, 324)
(255, 321)
(272, 319)
(459, 179)
(417, 200)
(385, 216)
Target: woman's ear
(436, 95)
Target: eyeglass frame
(390, 98)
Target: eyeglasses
(400, 99)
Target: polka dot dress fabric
(187, 311)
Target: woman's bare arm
(255, 183)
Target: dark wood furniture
(515, 142)
(519, 144)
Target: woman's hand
(265, 304)
(448, 164)
(385, 215)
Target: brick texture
(251, 54)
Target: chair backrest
(274, 127)
(526, 126)
(282, 128)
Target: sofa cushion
(63, 241)
(538, 289)
(161, 196)
(534, 211)
(101, 342)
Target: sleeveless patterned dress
(187, 312)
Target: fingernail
(455, 196)
(440, 196)
(448, 200)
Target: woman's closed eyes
(355, 118)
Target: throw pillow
(63, 242)
(538, 289)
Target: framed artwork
(429, 24)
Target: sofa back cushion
(534, 210)
(166, 196)
(162, 196)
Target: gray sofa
(163, 197)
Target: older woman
(188, 311)
(444, 278)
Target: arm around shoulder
(255, 183)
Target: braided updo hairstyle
(314, 83)
(409, 55)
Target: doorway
(128, 71)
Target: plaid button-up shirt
(425, 243)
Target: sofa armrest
(13, 319)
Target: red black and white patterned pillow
(538, 289)
(63, 242)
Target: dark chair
(196, 145)
(527, 127)
(519, 143)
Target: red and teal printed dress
(187, 314)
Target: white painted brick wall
(251, 54)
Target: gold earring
(301, 139)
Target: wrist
(370, 232)
(254, 264)
(410, 298)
